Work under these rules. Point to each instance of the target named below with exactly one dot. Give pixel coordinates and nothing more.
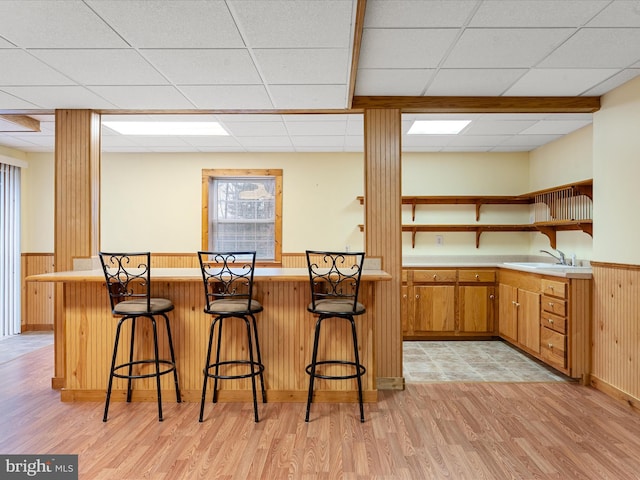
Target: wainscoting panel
(616, 331)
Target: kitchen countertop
(506, 262)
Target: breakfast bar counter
(86, 329)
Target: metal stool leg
(255, 334)
(217, 373)
(252, 366)
(111, 371)
(157, 363)
(357, 360)
(133, 334)
(312, 373)
(206, 370)
(173, 359)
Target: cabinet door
(476, 308)
(529, 320)
(508, 312)
(434, 308)
(405, 313)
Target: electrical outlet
(439, 240)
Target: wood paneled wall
(37, 298)
(383, 234)
(616, 331)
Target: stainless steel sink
(543, 265)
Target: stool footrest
(171, 368)
(256, 369)
(360, 370)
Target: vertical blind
(9, 249)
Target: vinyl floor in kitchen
(471, 361)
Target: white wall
(466, 174)
(154, 201)
(568, 159)
(616, 160)
(38, 203)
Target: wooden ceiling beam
(481, 104)
(18, 123)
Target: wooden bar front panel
(285, 329)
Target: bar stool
(335, 282)
(228, 290)
(128, 281)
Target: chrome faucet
(560, 258)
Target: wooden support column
(383, 235)
(77, 206)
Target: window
(242, 210)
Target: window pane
(243, 215)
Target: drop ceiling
(280, 75)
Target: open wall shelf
(567, 207)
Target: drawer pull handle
(477, 276)
(435, 276)
(417, 296)
(551, 304)
(517, 304)
(551, 345)
(492, 297)
(550, 320)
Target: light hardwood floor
(551, 430)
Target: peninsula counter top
(85, 329)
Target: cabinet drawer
(554, 322)
(476, 276)
(554, 305)
(554, 289)
(434, 276)
(553, 347)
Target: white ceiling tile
(536, 13)
(613, 82)
(528, 140)
(297, 66)
(283, 148)
(214, 141)
(309, 96)
(514, 148)
(329, 117)
(504, 48)
(295, 23)
(60, 97)
(5, 44)
(554, 82)
(476, 140)
(143, 97)
(20, 68)
(59, 24)
(597, 48)
(37, 139)
(318, 128)
(497, 127)
(554, 127)
(618, 14)
(204, 66)
(406, 81)
(157, 141)
(405, 48)
(171, 23)
(460, 148)
(479, 81)
(259, 141)
(317, 141)
(101, 66)
(250, 117)
(238, 148)
(412, 14)
(426, 140)
(9, 101)
(233, 97)
(261, 128)
(354, 141)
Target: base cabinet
(548, 317)
(441, 303)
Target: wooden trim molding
(481, 104)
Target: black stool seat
(128, 280)
(228, 288)
(335, 282)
